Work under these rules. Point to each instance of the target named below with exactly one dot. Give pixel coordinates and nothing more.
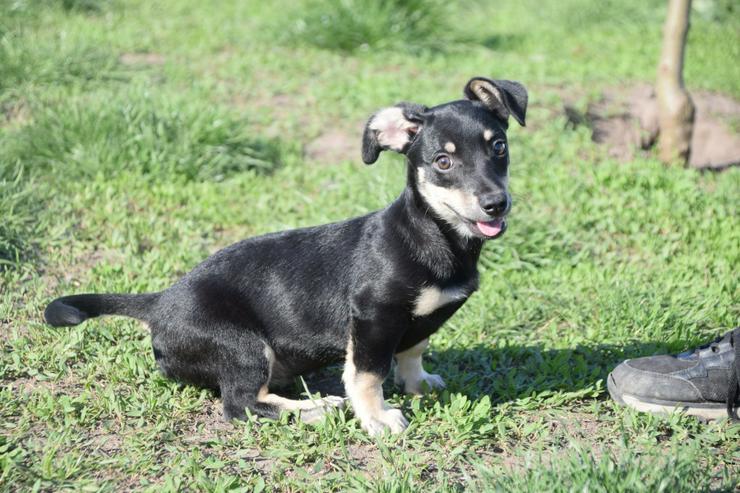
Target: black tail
(73, 310)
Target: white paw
(388, 420)
(424, 384)
(322, 406)
(333, 401)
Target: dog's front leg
(368, 361)
(410, 371)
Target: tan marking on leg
(450, 147)
(410, 371)
(284, 403)
(365, 392)
(408, 363)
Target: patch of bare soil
(336, 145)
(625, 120)
(133, 59)
(208, 423)
(67, 385)
(79, 268)
(14, 113)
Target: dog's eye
(499, 147)
(443, 162)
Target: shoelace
(732, 390)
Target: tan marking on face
(432, 298)
(487, 134)
(450, 147)
(440, 199)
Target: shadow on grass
(513, 371)
(507, 372)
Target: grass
(352, 25)
(138, 137)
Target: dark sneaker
(702, 382)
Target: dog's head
(457, 152)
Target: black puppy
(363, 291)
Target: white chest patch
(431, 298)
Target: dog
(366, 291)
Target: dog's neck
(432, 241)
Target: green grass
(136, 138)
(352, 25)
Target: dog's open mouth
(491, 229)
(483, 229)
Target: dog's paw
(334, 401)
(391, 420)
(312, 416)
(425, 383)
(322, 407)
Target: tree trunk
(675, 108)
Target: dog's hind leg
(245, 385)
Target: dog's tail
(73, 310)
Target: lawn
(138, 137)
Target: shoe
(702, 382)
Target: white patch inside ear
(488, 135)
(486, 93)
(394, 130)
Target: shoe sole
(709, 411)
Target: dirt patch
(208, 424)
(133, 59)
(67, 385)
(14, 114)
(7, 335)
(624, 119)
(336, 145)
(105, 440)
(78, 269)
(362, 454)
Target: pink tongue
(491, 228)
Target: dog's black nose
(494, 204)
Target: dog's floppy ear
(503, 97)
(391, 128)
